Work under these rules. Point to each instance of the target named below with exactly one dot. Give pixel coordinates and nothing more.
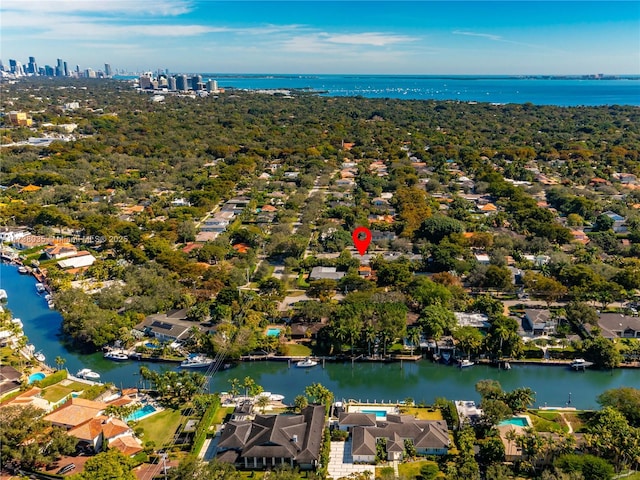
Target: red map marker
(361, 243)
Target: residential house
(539, 322)
(477, 320)
(616, 325)
(318, 273)
(579, 237)
(11, 236)
(168, 327)
(82, 259)
(272, 440)
(430, 437)
(618, 221)
(468, 411)
(512, 451)
(9, 379)
(84, 420)
(348, 420)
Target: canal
(423, 381)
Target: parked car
(66, 469)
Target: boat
(3, 294)
(50, 304)
(18, 322)
(40, 287)
(273, 397)
(446, 356)
(306, 363)
(39, 356)
(23, 270)
(580, 363)
(116, 356)
(507, 366)
(196, 361)
(466, 363)
(88, 374)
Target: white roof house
(77, 262)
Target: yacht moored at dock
(306, 363)
(39, 356)
(116, 356)
(197, 361)
(466, 363)
(580, 364)
(88, 374)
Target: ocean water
(492, 89)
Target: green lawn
(422, 413)
(221, 414)
(541, 424)
(57, 392)
(412, 469)
(298, 350)
(635, 476)
(160, 427)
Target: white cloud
(102, 7)
(368, 38)
(474, 34)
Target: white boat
(507, 366)
(273, 397)
(17, 321)
(197, 361)
(579, 363)
(40, 287)
(116, 356)
(50, 304)
(306, 363)
(39, 356)
(23, 270)
(466, 363)
(88, 374)
(3, 294)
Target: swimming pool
(151, 345)
(34, 377)
(519, 421)
(377, 413)
(141, 413)
(273, 332)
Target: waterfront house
(539, 322)
(81, 260)
(75, 412)
(272, 440)
(348, 420)
(59, 251)
(616, 325)
(167, 327)
(508, 432)
(430, 437)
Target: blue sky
(414, 37)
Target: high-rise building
(12, 65)
(172, 83)
(195, 81)
(66, 69)
(145, 81)
(32, 67)
(49, 71)
(59, 68)
(181, 83)
(107, 70)
(89, 73)
(212, 86)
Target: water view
(423, 381)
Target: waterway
(422, 381)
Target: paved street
(341, 462)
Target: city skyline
(378, 37)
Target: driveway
(341, 462)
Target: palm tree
(263, 402)
(60, 362)
(234, 389)
(414, 338)
(369, 335)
